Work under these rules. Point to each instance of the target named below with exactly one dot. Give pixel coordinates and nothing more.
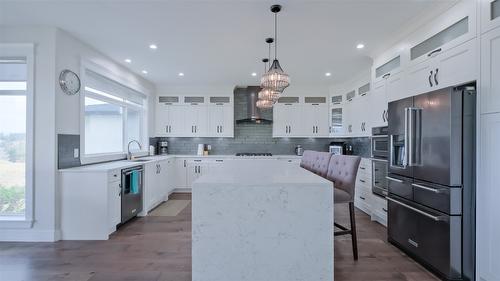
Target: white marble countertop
(262, 221)
(121, 164)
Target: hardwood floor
(159, 249)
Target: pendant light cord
(275, 36)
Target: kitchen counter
(122, 164)
(262, 220)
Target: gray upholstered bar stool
(316, 162)
(342, 171)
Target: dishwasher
(132, 192)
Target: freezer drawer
(442, 198)
(429, 236)
(400, 186)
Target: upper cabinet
(194, 116)
(221, 120)
(490, 14)
(336, 116)
(301, 117)
(490, 72)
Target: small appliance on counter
(299, 150)
(348, 149)
(203, 149)
(336, 148)
(162, 147)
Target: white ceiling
(220, 43)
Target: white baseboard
(183, 190)
(29, 235)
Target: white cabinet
(195, 120)
(362, 189)
(378, 104)
(195, 169)
(180, 178)
(114, 203)
(490, 72)
(170, 120)
(490, 14)
(315, 117)
(287, 120)
(337, 112)
(193, 116)
(221, 121)
(156, 184)
(356, 115)
(488, 192)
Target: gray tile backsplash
(66, 144)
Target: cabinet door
(170, 176)
(336, 121)
(456, 66)
(180, 179)
(175, 120)
(194, 171)
(419, 80)
(488, 209)
(150, 185)
(162, 180)
(314, 120)
(348, 117)
(490, 72)
(195, 118)
(395, 89)
(490, 14)
(162, 119)
(378, 104)
(287, 120)
(220, 123)
(114, 204)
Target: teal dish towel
(134, 182)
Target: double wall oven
(431, 180)
(380, 152)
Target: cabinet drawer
(438, 197)
(114, 175)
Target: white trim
(29, 235)
(28, 51)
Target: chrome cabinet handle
(435, 77)
(435, 218)
(393, 179)
(430, 76)
(435, 190)
(386, 75)
(434, 52)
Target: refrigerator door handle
(414, 136)
(406, 136)
(435, 190)
(393, 179)
(435, 218)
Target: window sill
(15, 222)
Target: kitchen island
(262, 220)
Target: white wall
(69, 54)
(44, 227)
(353, 84)
(57, 113)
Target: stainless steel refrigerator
(431, 201)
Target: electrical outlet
(76, 153)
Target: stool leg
(354, 237)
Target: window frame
(26, 50)
(111, 156)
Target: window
(113, 116)
(16, 138)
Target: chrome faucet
(129, 154)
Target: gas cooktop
(254, 154)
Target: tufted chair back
(320, 163)
(342, 170)
(307, 159)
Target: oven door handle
(393, 179)
(435, 218)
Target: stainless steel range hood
(253, 112)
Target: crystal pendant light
(264, 104)
(275, 78)
(266, 93)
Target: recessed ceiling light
(360, 46)
(128, 60)
(153, 47)
(328, 74)
(181, 74)
(145, 72)
(254, 74)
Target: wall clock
(69, 82)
